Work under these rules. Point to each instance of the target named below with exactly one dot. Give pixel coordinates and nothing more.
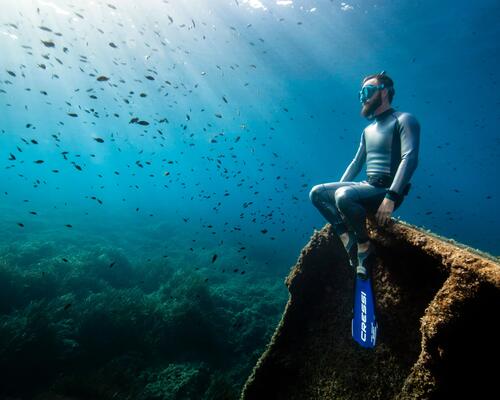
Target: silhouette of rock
(438, 302)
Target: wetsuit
(390, 146)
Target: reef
(437, 306)
(81, 320)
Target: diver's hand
(384, 212)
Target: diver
(390, 146)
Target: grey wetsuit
(389, 146)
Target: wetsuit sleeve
(357, 163)
(409, 131)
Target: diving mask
(368, 91)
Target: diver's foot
(350, 244)
(364, 259)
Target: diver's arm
(357, 163)
(409, 132)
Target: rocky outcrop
(437, 304)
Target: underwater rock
(437, 302)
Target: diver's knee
(342, 198)
(315, 194)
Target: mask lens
(366, 92)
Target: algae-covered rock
(436, 303)
(176, 381)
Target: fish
(48, 43)
(214, 257)
(67, 306)
(102, 78)
(99, 140)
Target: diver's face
(373, 102)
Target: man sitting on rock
(390, 146)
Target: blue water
(249, 104)
(290, 73)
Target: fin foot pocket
(364, 262)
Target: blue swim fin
(364, 322)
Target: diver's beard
(368, 109)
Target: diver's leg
(354, 202)
(323, 197)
